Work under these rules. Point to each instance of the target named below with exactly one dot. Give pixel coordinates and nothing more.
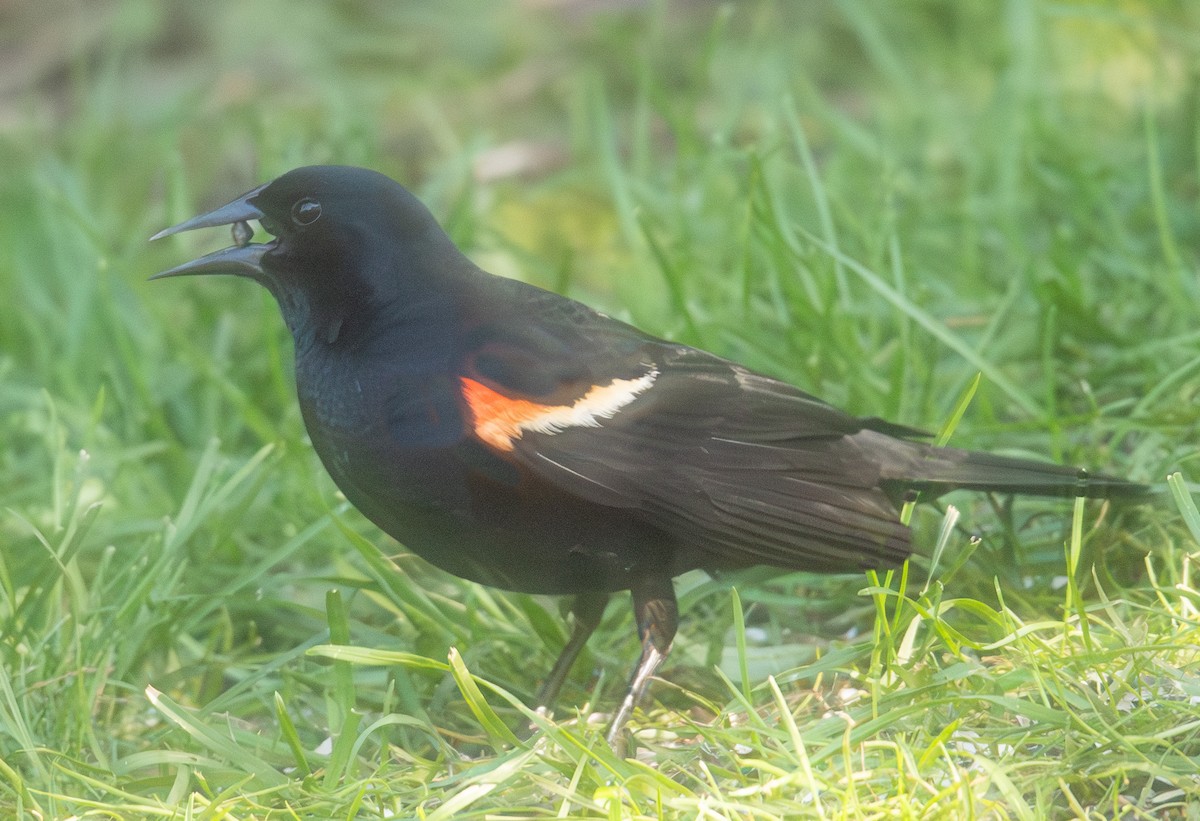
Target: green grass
(878, 202)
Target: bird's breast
(368, 416)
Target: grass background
(876, 201)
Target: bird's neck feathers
(409, 299)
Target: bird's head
(347, 243)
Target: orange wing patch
(499, 419)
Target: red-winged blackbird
(520, 439)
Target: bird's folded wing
(742, 467)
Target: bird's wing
(739, 466)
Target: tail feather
(916, 466)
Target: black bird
(520, 439)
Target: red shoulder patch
(498, 420)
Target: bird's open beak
(242, 259)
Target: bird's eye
(306, 211)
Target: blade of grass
(343, 717)
(492, 724)
(217, 742)
(288, 730)
(935, 329)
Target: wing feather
(738, 468)
(735, 471)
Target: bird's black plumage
(520, 439)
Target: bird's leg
(657, 615)
(587, 610)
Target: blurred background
(875, 201)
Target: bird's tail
(916, 466)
